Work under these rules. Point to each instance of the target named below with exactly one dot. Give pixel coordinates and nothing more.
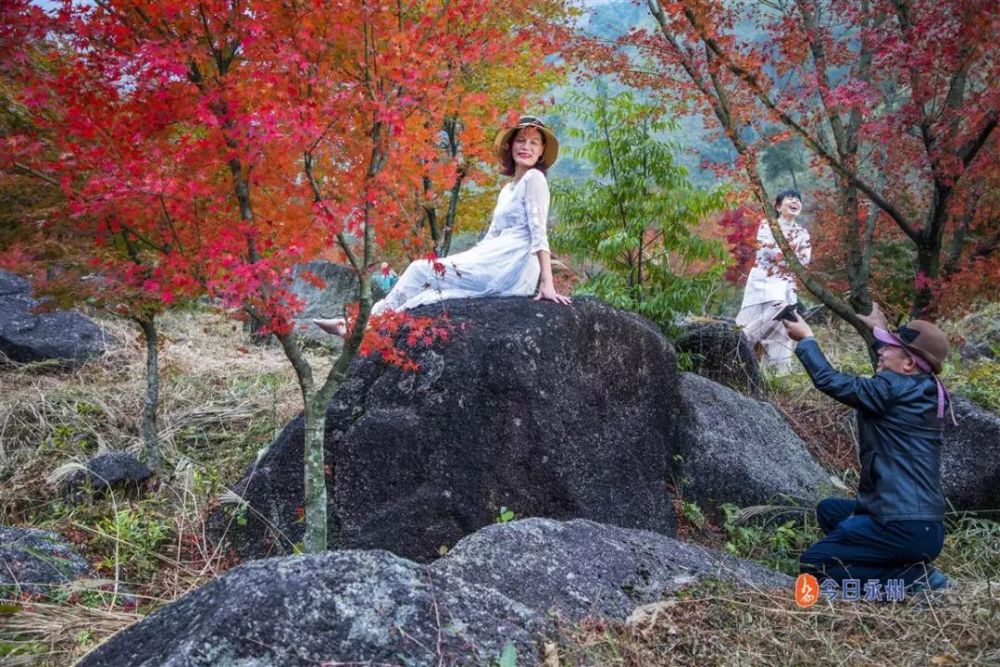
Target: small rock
(64, 335)
(35, 561)
(719, 351)
(112, 470)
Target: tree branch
(751, 80)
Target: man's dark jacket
(899, 436)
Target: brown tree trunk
(151, 401)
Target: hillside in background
(783, 165)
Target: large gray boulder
(732, 448)
(373, 608)
(718, 350)
(581, 568)
(549, 410)
(357, 608)
(25, 336)
(970, 458)
(36, 561)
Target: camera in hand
(789, 312)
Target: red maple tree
(225, 142)
(896, 100)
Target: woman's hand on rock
(547, 293)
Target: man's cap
(923, 340)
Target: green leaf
(508, 658)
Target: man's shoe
(933, 580)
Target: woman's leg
(412, 282)
(758, 322)
(778, 350)
(417, 277)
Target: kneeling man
(894, 528)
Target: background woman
(771, 285)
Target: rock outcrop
(549, 410)
(970, 458)
(357, 607)
(732, 448)
(719, 351)
(25, 336)
(496, 587)
(581, 568)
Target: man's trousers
(857, 546)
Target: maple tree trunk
(857, 266)
(315, 539)
(928, 266)
(443, 247)
(151, 402)
(315, 469)
(449, 221)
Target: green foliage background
(633, 223)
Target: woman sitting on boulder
(512, 256)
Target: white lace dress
(502, 264)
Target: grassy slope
(223, 399)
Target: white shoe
(336, 326)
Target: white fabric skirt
(767, 335)
(502, 265)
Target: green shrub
(635, 221)
(132, 537)
(776, 545)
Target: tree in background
(226, 142)
(782, 162)
(95, 221)
(637, 217)
(896, 101)
(482, 96)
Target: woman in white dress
(513, 255)
(771, 285)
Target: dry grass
(222, 398)
(37, 633)
(721, 625)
